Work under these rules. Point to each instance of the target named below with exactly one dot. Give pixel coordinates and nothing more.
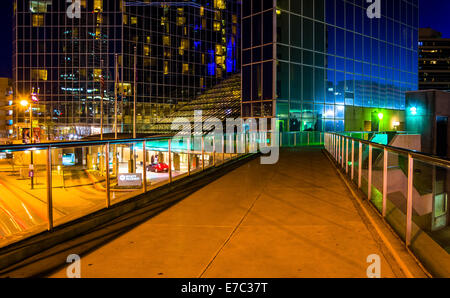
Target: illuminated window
(146, 51)
(185, 68)
(181, 21)
(97, 74)
(39, 6)
(133, 20)
(125, 19)
(39, 74)
(38, 20)
(166, 41)
(98, 5)
(217, 26)
(220, 4)
(184, 44)
(166, 67)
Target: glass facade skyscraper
(183, 48)
(324, 65)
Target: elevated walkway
(293, 219)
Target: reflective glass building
(183, 48)
(325, 65)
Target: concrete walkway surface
(292, 219)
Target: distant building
(434, 60)
(428, 114)
(324, 65)
(183, 49)
(6, 109)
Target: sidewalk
(292, 219)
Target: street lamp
(25, 103)
(380, 116)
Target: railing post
(409, 206)
(144, 170)
(346, 156)
(203, 153)
(339, 150)
(214, 151)
(223, 149)
(385, 168)
(307, 133)
(353, 159)
(295, 139)
(189, 154)
(343, 153)
(170, 160)
(360, 166)
(49, 189)
(369, 183)
(108, 185)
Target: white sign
(130, 180)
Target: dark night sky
(433, 13)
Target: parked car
(159, 167)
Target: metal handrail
(421, 156)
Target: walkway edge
(377, 228)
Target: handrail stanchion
(144, 161)
(295, 139)
(108, 182)
(170, 159)
(369, 182)
(307, 133)
(360, 166)
(340, 151)
(343, 153)
(223, 149)
(385, 168)
(49, 189)
(409, 206)
(346, 156)
(189, 154)
(353, 159)
(214, 151)
(203, 153)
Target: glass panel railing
(430, 205)
(397, 192)
(158, 162)
(376, 197)
(78, 182)
(23, 195)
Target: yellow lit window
(146, 51)
(185, 68)
(133, 20)
(181, 21)
(220, 4)
(125, 19)
(38, 20)
(97, 74)
(166, 41)
(166, 67)
(217, 26)
(98, 5)
(39, 74)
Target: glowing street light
(380, 116)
